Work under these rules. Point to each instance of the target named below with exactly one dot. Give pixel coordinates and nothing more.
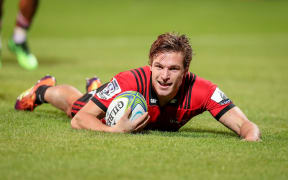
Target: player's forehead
(168, 59)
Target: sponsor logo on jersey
(153, 101)
(173, 121)
(219, 97)
(173, 101)
(110, 90)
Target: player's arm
(89, 117)
(236, 120)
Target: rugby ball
(125, 100)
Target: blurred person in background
(17, 44)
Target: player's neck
(165, 100)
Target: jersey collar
(154, 101)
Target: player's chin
(163, 92)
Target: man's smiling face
(167, 75)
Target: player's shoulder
(140, 72)
(135, 79)
(143, 71)
(194, 81)
(198, 87)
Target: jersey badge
(219, 97)
(110, 90)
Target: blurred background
(240, 45)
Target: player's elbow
(75, 122)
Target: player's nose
(165, 75)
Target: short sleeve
(218, 103)
(123, 81)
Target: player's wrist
(115, 129)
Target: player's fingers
(127, 113)
(142, 124)
(140, 119)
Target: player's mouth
(163, 84)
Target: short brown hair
(171, 42)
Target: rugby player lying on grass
(173, 95)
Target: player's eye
(174, 68)
(158, 66)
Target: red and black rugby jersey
(195, 96)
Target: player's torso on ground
(194, 97)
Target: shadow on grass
(57, 115)
(200, 130)
(185, 132)
(52, 114)
(193, 133)
(3, 97)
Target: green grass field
(241, 45)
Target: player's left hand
(124, 125)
